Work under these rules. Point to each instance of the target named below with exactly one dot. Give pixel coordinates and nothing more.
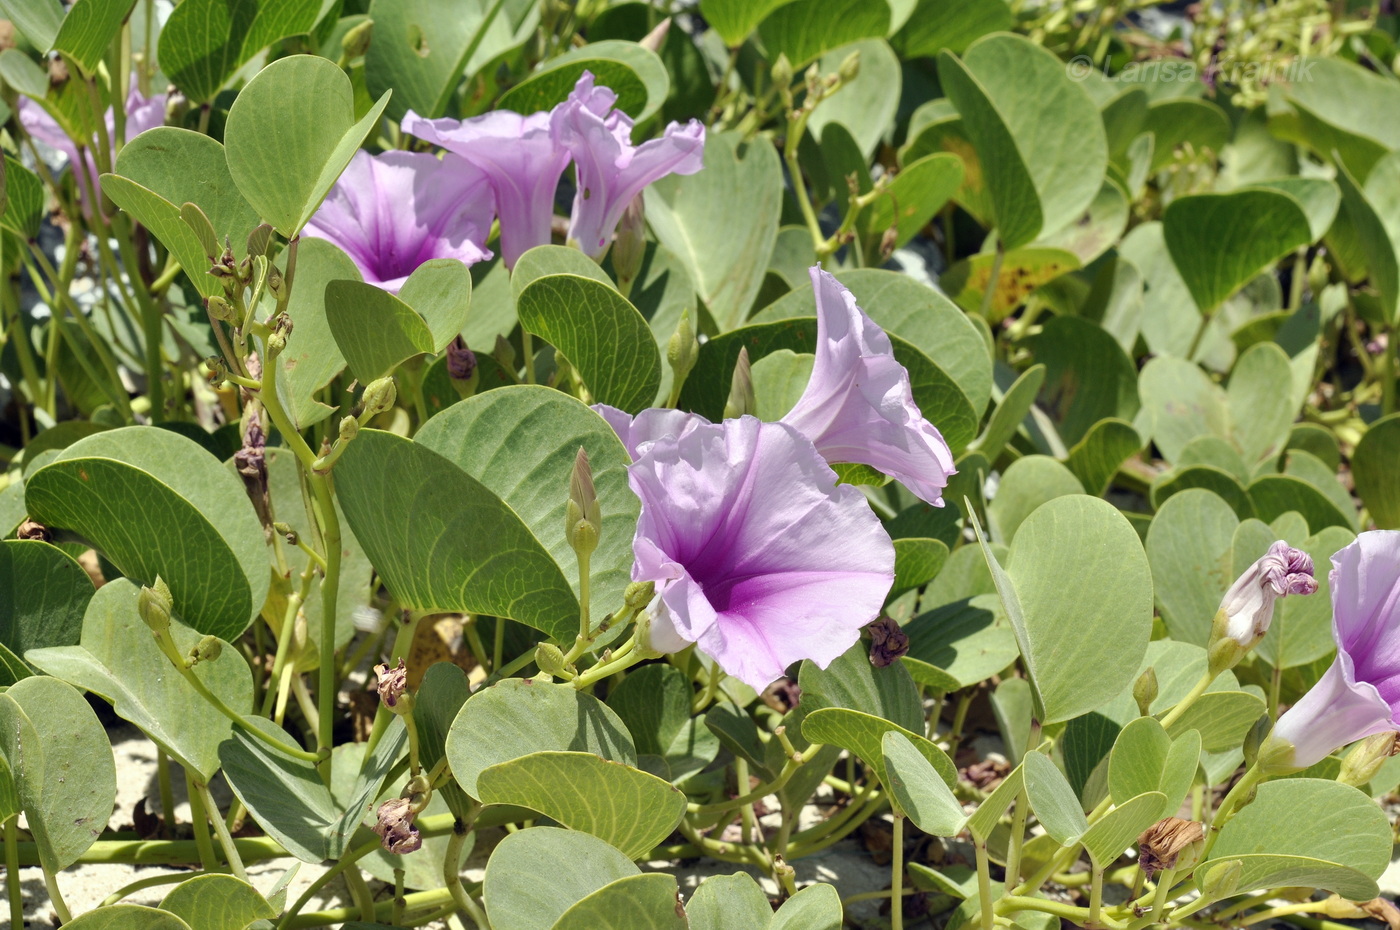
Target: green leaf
(1089, 377)
(601, 334)
(119, 660)
(1055, 804)
(61, 762)
(1116, 830)
(1096, 458)
(733, 20)
(1368, 211)
(1309, 832)
(24, 200)
(1275, 495)
(654, 702)
(1023, 270)
(437, 703)
(935, 26)
(918, 789)
(375, 331)
(1373, 468)
(38, 20)
(1334, 111)
(852, 682)
(43, 593)
(312, 357)
(1222, 717)
(88, 30)
(641, 810)
(805, 29)
(964, 639)
(520, 442)
(1180, 403)
(421, 49)
(441, 540)
(1098, 229)
(1006, 419)
(988, 814)
(638, 902)
(1145, 759)
(128, 917)
(204, 42)
(1223, 485)
(1261, 414)
(729, 902)
(285, 166)
(816, 907)
(1318, 197)
(1189, 546)
(576, 864)
(1078, 585)
(1221, 241)
(217, 902)
(1038, 135)
(516, 717)
(862, 734)
(866, 108)
(693, 216)
(738, 733)
(140, 495)
(1028, 483)
(916, 562)
(634, 73)
(545, 260)
(287, 797)
(164, 168)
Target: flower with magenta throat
(1359, 695)
(759, 557)
(392, 212)
(610, 171)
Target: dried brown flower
(887, 642)
(1161, 845)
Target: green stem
(167, 792)
(153, 881)
(1159, 897)
(1390, 372)
(1242, 788)
(897, 875)
(1078, 915)
(747, 820)
(12, 885)
(235, 863)
(527, 348)
(326, 685)
(1275, 686)
(452, 876)
(984, 884)
(799, 187)
(56, 899)
(284, 642)
(199, 818)
(624, 658)
(419, 900)
(1096, 895)
(364, 900)
(1018, 817)
(992, 280)
(151, 316)
(1185, 703)
(346, 861)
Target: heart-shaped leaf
(204, 42)
(1055, 804)
(577, 865)
(89, 28)
(635, 74)
(728, 902)
(217, 902)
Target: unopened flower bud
(355, 42)
(850, 67)
(349, 428)
(461, 361)
(1247, 608)
(504, 353)
(1339, 908)
(653, 40)
(206, 650)
(1222, 879)
(683, 348)
(154, 604)
(638, 594)
(1361, 764)
(378, 397)
(583, 515)
(630, 243)
(1172, 843)
(393, 688)
(1277, 756)
(397, 834)
(221, 310)
(888, 643)
(276, 284)
(550, 659)
(782, 72)
(1145, 691)
(1254, 739)
(741, 397)
(285, 530)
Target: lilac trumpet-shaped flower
(1359, 695)
(142, 113)
(858, 406)
(610, 170)
(758, 556)
(392, 212)
(1248, 606)
(522, 161)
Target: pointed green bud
(221, 310)
(1254, 738)
(741, 399)
(638, 594)
(630, 244)
(276, 284)
(206, 650)
(349, 428)
(1222, 879)
(154, 605)
(683, 349)
(1145, 691)
(356, 42)
(550, 659)
(782, 75)
(583, 516)
(504, 353)
(850, 68)
(378, 397)
(1361, 764)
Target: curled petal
(648, 426)
(858, 406)
(758, 556)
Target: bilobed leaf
(1373, 468)
(1096, 458)
(374, 330)
(637, 902)
(816, 907)
(634, 73)
(1179, 404)
(601, 334)
(1334, 108)
(441, 540)
(89, 28)
(312, 357)
(640, 809)
(577, 865)
(217, 902)
(654, 701)
(804, 29)
(916, 562)
(205, 41)
(164, 168)
(516, 717)
(119, 660)
(1088, 378)
(128, 917)
(1028, 483)
(141, 496)
(61, 763)
(1223, 718)
(696, 217)
(862, 735)
(285, 166)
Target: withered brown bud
(251, 463)
(31, 529)
(461, 361)
(7, 34)
(1161, 845)
(887, 642)
(397, 834)
(393, 687)
(58, 71)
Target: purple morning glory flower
(142, 113)
(858, 406)
(522, 161)
(1249, 604)
(610, 170)
(758, 556)
(392, 212)
(1359, 695)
